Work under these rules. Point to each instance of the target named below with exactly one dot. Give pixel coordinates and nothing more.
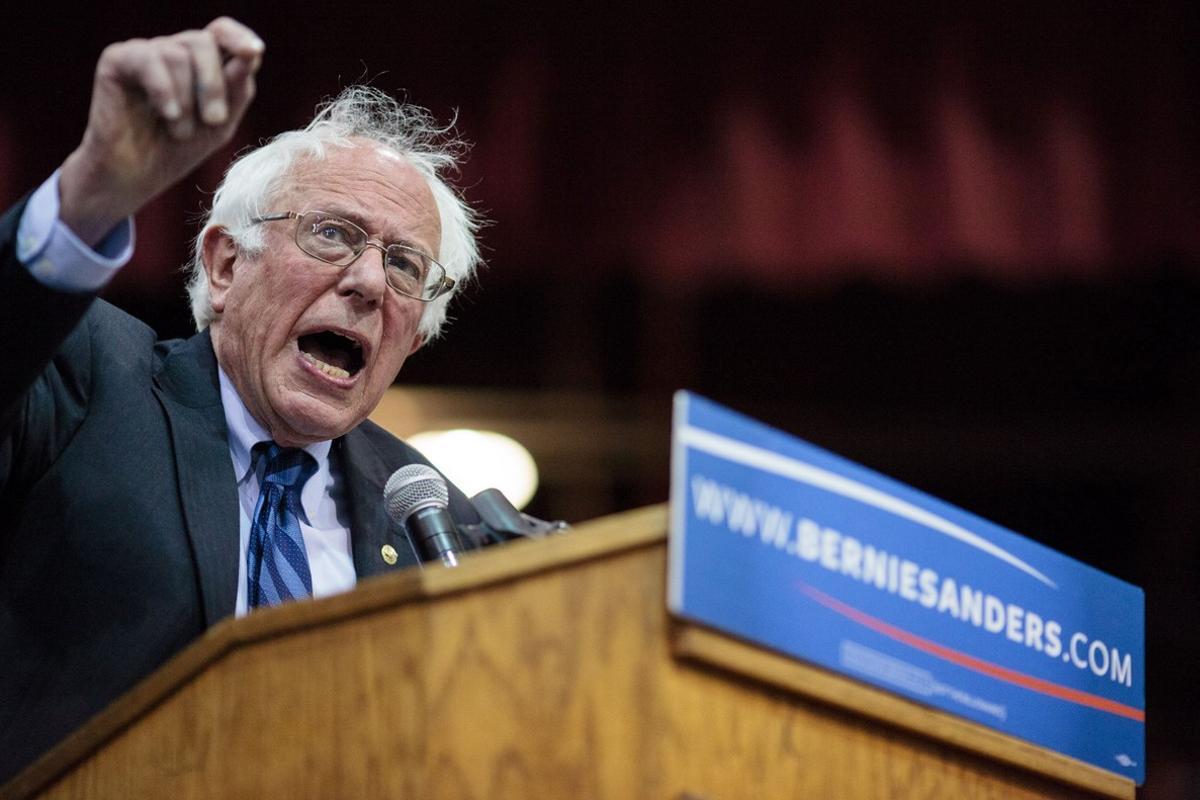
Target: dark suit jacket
(118, 504)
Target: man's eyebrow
(343, 212)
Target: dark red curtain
(773, 143)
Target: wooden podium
(541, 669)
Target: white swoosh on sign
(801, 471)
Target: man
(149, 490)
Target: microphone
(504, 521)
(417, 499)
(500, 522)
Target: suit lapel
(366, 472)
(189, 391)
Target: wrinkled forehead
(369, 184)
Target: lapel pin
(389, 554)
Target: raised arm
(159, 108)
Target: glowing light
(478, 460)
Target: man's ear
(418, 343)
(218, 252)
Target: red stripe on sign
(976, 664)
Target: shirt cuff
(58, 258)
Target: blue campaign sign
(787, 545)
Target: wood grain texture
(537, 670)
(706, 646)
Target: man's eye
(332, 232)
(405, 265)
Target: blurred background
(957, 243)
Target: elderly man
(149, 490)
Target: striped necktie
(276, 564)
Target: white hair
(360, 112)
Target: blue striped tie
(276, 564)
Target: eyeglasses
(337, 241)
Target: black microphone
(416, 498)
(504, 521)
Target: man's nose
(366, 276)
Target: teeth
(328, 369)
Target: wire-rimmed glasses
(329, 238)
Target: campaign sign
(784, 544)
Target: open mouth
(336, 355)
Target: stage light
(478, 460)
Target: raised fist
(159, 108)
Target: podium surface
(540, 669)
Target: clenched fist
(159, 108)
